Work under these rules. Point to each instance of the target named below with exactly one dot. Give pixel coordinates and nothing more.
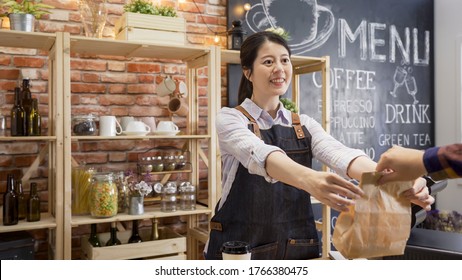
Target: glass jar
(187, 196)
(157, 164)
(81, 188)
(104, 195)
(180, 162)
(123, 193)
(84, 125)
(168, 202)
(169, 163)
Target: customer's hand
(401, 164)
(419, 194)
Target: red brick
(5, 60)
(89, 65)
(115, 99)
(200, 29)
(86, 88)
(147, 111)
(210, 20)
(54, 26)
(24, 161)
(116, 66)
(140, 88)
(202, 81)
(18, 148)
(21, 61)
(191, 8)
(114, 88)
(88, 99)
(118, 78)
(146, 78)
(215, 10)
(76, 76)
(64, 5)
(147, 100)
(43, 74)
(6, 160)
(9, 74)
(8, 85)
(90, 77)
(117, 157)
(143, 68)
(116, 145)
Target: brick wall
(101, 85)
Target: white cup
(109, 126)
(150, 121)
(166, 87)
(124, 121)
(183, 89)
(2, 125)
(167, 126)
(236, 250)
(137, 126)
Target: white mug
(124, 121)
(137, 126)
(150, 121)
(167, 126)
(109, 126)
(166, 87)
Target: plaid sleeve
(444, 162)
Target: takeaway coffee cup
(109, 126)
(236, 250)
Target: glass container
(103, 196)
(84, 125)
(168, 202)
(81, 187)
(187, 196)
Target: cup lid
(235, 247)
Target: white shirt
(238, 144)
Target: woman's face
(272, 70)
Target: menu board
(381, 65)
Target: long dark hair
(249, 52)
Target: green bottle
(113, 241)
(18, 115)
(22, 200)
(10, 203)
(34, 120)
(93, 239)
(27, 102)
(33, 204)
(135, 237)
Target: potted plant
(144, 21)
(22, 13)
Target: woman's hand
(333, 190)
(419, 194)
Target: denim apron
(276, 219)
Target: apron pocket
(265, 252)
(301, 249)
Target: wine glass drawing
(398, 78)
(411, 87)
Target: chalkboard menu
(381, 59)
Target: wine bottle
(10, 203)
(27, 103)
(35, 120)
(135, 237)
(113, 239)
(93, 239)
(22, 200)
(33, 204)
(155, 230)
(18, 121)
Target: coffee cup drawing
(109, 126)
(309, 25)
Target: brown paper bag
(378, 224)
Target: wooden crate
(169, 246)
(151, 28)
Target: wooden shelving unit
(52, 151)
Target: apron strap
(297, 126)
(256, 129)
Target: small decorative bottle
(26, 103)
(18, 121)
(93, 239)
(33, 204)
(154, 229)
(113, 241)
(10, 203)
(135, 237)
(22, 200)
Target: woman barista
(266, 153)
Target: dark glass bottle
(93, 239)
(113, 239)
(10, 203)
(27, 102)
(33, 204)
(18, 121)
(135, 237)
(22, 200)
(35, 120)
(155, 230)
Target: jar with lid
(180, 162)
(104, 196)
(187, 196)
(168, 202)
(84, 125)
(157, 164)
(169, 163)
(146, 165)
(123, 193)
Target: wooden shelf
(149, 213)
(46, 221)
(91, 46)
(28, 138)
(29, 40)
(147, 137)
